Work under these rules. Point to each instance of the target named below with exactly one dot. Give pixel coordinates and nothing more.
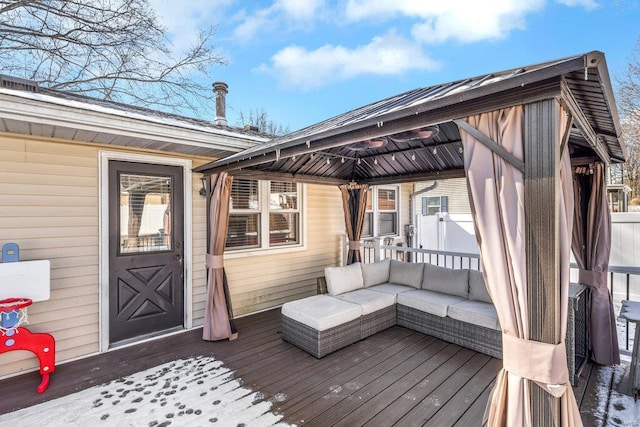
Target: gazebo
(533, 143)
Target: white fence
(455, 233)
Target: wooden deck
(396, 377)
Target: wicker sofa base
(377, 321)
(320, 343)
(478, 338)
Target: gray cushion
(477, 287)
(435, 303)
(390, 288)
(376, 273)
(343, 279)
(446, 280)
(406, 273)
(369, 301)
(321, 312)
(475, 312)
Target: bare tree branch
(628, 97)
(111, 49)
(259, 119)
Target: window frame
(443, 205)
(374, 213)
(263, 213)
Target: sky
(304, 61)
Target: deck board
(397, 376)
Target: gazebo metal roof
(380, 142)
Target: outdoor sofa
(450, 304)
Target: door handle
(179, 259)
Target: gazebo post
(541, 206)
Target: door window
(145, 213)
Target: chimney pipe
(221, 90)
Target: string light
(358, 161)
(328, 161)
(413, 157)
(393, 156)
(375, 161)
(435, 151)
(460, 150)
(342, 160)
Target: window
(381, 218)
(434, 205)
(264, 214)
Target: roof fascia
(25, 109)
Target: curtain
(591, 245)
(354, 203)
(496, 195)
(218, 323)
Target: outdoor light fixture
(203, 190)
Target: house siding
(49, 206)
(267, 279)
(455, 189)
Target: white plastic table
(630, 312)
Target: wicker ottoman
(321, 324)
(378, 310)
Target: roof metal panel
(438, 104)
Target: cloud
(439, 21)
(587, 4)
(289, 14)
(389, 54)
(184, 23)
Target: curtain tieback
(354, 245)
(591, 278)
(215, 261)
(537, 361)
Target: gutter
(412, 201)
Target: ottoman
(321, 324)
(378, 310)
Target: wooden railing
(375, 250)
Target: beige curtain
(218, 323)
(496, 193)
(591, 247)
(354, 203)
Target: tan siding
(199, 236)
(49, 199)
(49, 205)
(267, 280)
(455, 189)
